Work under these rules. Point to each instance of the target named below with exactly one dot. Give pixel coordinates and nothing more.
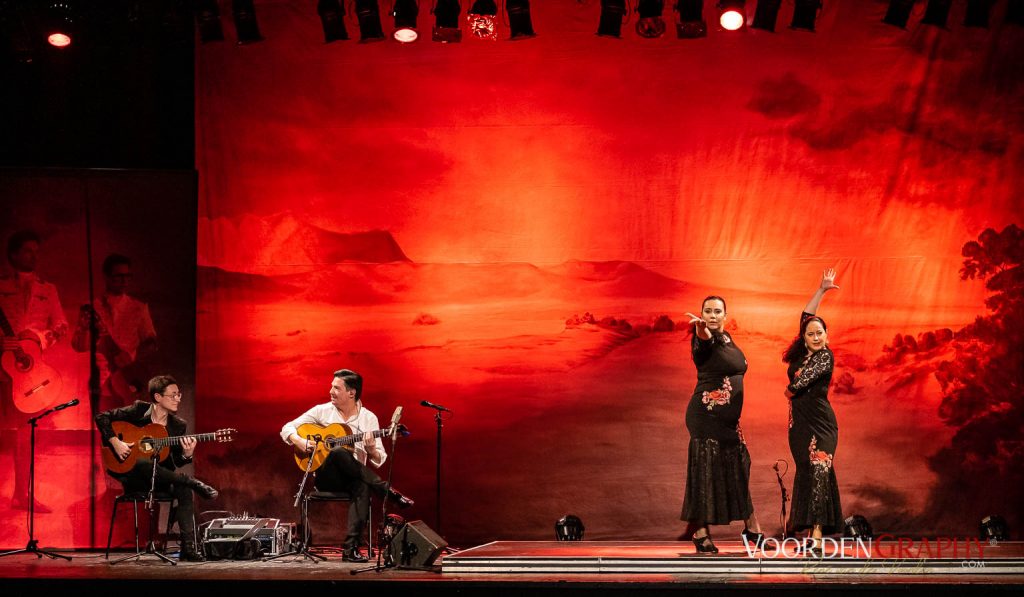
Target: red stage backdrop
(512, 230)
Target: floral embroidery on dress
(718, 397)
(819, 458)
(739, 433)
(790, 413)
(814, 366)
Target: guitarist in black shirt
(165, 396)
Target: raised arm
(828, 282)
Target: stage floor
(535, 568)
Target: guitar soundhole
(24, 361)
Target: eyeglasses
(175, 396)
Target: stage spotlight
(446, 21)
(332, 17)
(805, 13)
(858, 526)
(994, 528)
(482, 19)
(650, 24)
(691, 23)
(569, 528)
(898, 13)
(208, 19)
(60, 20)
(519, 20)
(732, 14)
(977, 13)
(405, 13)
(766, 14)
(246, 27)
(612, 13)
(369, 21)
(937, 12)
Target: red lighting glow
(59, 40)
(731, 20)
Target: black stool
(332, 496)
(135, 498)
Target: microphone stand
(437, 473)
(381, 563)
(33, 544)
(303, 549)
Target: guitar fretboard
(351, 439)
(176, 440)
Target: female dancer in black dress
(718, 467)
(813, 430)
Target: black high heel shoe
(704, 544)
(755, 538)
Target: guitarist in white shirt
(345, 471)
(33, 310)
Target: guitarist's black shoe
(204, 490)
(400, 500)
(352, 554)
(189, 553)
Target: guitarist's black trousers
(341, 472)
(167, 481)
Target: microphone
(434, 406)
(66, 405)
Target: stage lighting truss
(405, 13)
(612, 14)
(208, 20)
(732, 14)
(368, 15)
(690, 23)
(332, 18)
(650, 24)
(482, 18)
(805, 13)
(519, 20)
(766, 14)
(446, 21)
(246, 27)
(898, 13)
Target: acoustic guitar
(34, 384)
(149, 440)
(333, 436)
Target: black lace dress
(813, 436)
(718, 464)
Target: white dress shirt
(327, 414)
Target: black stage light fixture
(977, 13)
(246, 27)
(446, 21)
(519, 20)
(857, 526)
(332, 17)
(690, 23)
(1015, 12)
(732, 14)
(569, 528)
(994, 528)
(766, 14)
(650, 24)
(405, 13)
(805, 13)
(612, 13)
(208, 19)
(369, 21)
(483, 17)
(898, 13)
(937, 12)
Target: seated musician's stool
(332, 496)
(136, 498)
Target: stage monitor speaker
(416, 545)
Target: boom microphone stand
(303, 548)
(152, 507)
(437, 499)
(33, 544)
(785, 496)
(381, 563)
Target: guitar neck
(355, 437)
(176, 439)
